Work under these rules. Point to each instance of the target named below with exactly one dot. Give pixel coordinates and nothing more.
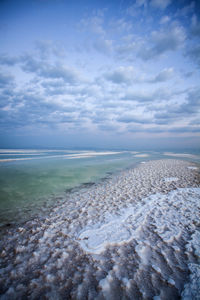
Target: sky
(105, 74)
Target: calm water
(31, 180)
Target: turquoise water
(31, 180)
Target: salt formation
(133, 236)
(127, 225)
(171, 179)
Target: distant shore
(134, 235)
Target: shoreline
(48, 256)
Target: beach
(134, 235)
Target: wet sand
(133, 236)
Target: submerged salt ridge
(156, 253)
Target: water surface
(32, 180)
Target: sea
(32, 181)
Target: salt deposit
(127, 224)
(81, 154)
(187, 155)
(192, 168)
(170, 179)
(141, 155)
(134, 236)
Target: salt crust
(170, 179)
(48, 256)
(141, 155)
(128, 223)
(65, 156)
(192, 168)
(187, 155)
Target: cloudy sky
(115, 73)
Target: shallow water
(31, 180)
(27, 185)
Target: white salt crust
(192, 168)
(170, 179)
(127, 225)
(134, 236)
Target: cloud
(144, 97)
(121, 75)
(54, 87)
(133, 118)
(164, 20)
(186, 10)
(130, 94)
(145, 6)
(193, 99)
(6, 80)
(46, 48)
(127, 49)
(157, 129)
(185, 129)
(108, 127)
(121, 25)
(160, 4)
(137, 7)
(93, 24)
(195, 27)
(186, 110)
(23, 109)
(46, 70)
(194, 54)
(8, 60)
(164, 75)
(163, 41)
(141, 3)
(103, 46)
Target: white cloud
(160, 4)
(164, 20)
(93, 24)
(121, 25)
